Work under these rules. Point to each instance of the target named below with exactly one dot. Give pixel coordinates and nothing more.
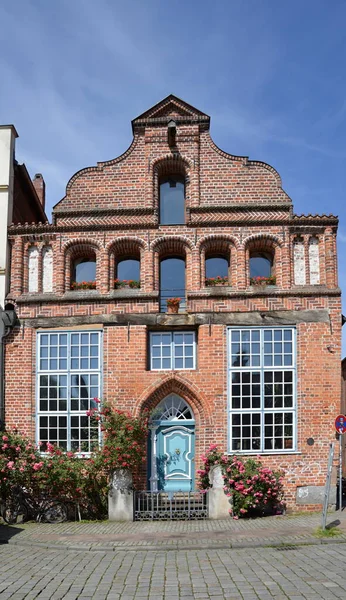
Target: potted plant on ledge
(173, 305)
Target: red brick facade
(233, 206)
(343, 409)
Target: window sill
(261, 288)
(79, 455)
(126, 292)
(82, 292)
(90, 295)
(172, 224)
(172, 370)
(264, 453)
(218, 287)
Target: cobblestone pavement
(174, 535)
(298, 573)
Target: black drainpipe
(8, 319)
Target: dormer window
(172, 200)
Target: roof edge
(10, 127)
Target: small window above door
(173, 408)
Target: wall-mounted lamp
(9, 317)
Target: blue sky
(270, 74)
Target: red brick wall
(218, 186)
(130, 385)
(20, 365)
(343, 409)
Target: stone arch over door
(176, 383)
(193, 397)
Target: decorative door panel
(174, 458)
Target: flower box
(83, 285)
(263, 281)
(126, 283)
(213, 281)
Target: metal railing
(170, 506)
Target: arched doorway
(172, 446)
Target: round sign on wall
(340, 424)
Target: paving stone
(304, 573)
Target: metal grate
(170, 506)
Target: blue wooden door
(175, 455)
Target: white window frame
(68, 372)
(172, 344)
(262, 410)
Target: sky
(271, 75)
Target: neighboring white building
(8, 136)
(21, 200)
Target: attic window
(172, 200)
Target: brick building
(343, 406)
(252, 359)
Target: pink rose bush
(69, 476)
(58, 474)
(124, 438)
(19, 460)
(254, 489)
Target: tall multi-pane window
(68, 381)
(262, 402)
